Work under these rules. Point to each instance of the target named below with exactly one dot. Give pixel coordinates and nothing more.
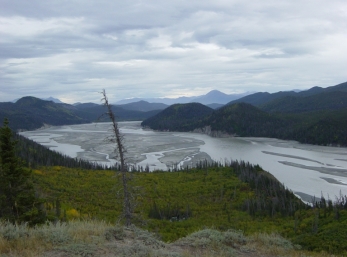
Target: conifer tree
(17, 196)
(118, 139)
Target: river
(307, 170)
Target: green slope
(293, 104)
(30, 113)
(262, 98)
(244, 120)
(178, 117)
(327, 127)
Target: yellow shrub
(39, 172)
(72, 214)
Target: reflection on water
(308, 169)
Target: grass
(98, 238)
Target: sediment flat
(291, 156)
(330, 171)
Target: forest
(178, 117)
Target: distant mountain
(178, 117)
(143, 106)
(215, 106)
(85, 105)
(218, 97)
(212, 97)
(55, 100)
(30, 113)
(95, 112)
(167, 101)
(260, 98)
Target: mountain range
(315, 116)
(30, 113)
(212, 97)
(260, 98)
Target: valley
(307, 170)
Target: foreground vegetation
(98, 238)
(174, 204)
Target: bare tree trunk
(127, 208)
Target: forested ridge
(321, 102)
(262, 98)
(315, 116)
(30, 113)
(178, 117)
(35, 155)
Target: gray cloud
(73, 49)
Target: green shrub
(11, 231)
(82, 249)
(116, 232)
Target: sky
(73, 49)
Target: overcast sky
(72, 49)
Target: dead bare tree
(118, 139)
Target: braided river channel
(307, 170)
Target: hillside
(322, 128)
(36, 155)
(178, 117)
(30, 113)
(262, 98)
(95, 113)
(238, 119)
(143, 106)
(313, 118)
(319, 127)
(333, 100)
(244, 120)
(211, 97)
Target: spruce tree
(17, 195)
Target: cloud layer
(73, 49)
